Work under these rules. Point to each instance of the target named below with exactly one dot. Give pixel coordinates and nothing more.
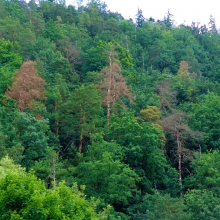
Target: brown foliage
(175, 125)
(184, 68)
(27, 86)
(70, 51)
(114, 87)
(167, 96)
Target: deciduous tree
(23, 196)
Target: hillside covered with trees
(107, 118)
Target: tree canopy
(107, 118)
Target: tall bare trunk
(54, 175)
(179, 150)
(109, 89)
(109, 102)
(53, 164)
(80, 142)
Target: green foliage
(32, 134)
(206, 172)
(23, 196)
(53, 31)
(53, 170)
(186, 89)
(83, 108)
(105, 175)
(139, 18)
(165, 207)
(142, 143)
(205, 118)
(9, 57)
(95, 58)
(25, 136)
(202, 201)
(10, 61)
(7, 166)
(166, 67)
(124, 55)
(151, 114)
(202, 204)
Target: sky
(184, 11)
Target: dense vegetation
(107, 118)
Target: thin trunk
(54, 171)
(81, 141)
(109, 101)
(54, 175)
(114, 89)
(109, 89)
(179, 150)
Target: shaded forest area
(107, 118)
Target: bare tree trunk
(53, 163)
(179, 150)
(109, 89)
(114, 84)
(80, 142)
(173, 125)
(54, 174)
(109, 102)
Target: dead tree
(114, 85)
(175, 125)
(27, 86)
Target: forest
(106, 118)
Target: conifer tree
(82, 109)
(139, 18)
(114, 85)
(27, 86)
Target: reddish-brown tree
(114, 85)
(27, 86)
